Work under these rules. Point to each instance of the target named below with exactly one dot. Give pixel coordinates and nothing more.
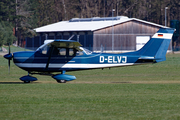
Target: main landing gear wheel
(27, 81)
(61, 81)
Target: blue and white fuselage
(68, 55)
(34, 61)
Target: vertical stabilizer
(157, 46)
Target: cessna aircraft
(68, 55)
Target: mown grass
(136, 92)
(14, 48)
(90, 101)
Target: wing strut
(49, 58)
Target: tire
(61, 81)
(27, 81)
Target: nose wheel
(28, 78)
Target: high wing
(64, 44)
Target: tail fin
(157, 46)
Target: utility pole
(104, 8)
(112, 30)
(165, 16)
(17, 42)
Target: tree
(6, 34)
(26, 19)
(2, 36)
(25, 15)
(7, 16)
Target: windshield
(42, 46)
(44, 49)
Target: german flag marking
(160, 35)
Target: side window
(62, 51)
(78, 53)
(72, 52)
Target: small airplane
(68, 55)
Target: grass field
(136, 92)
(15, 49)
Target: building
(112, 34)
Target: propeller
(9, 56)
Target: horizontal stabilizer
(146, 58)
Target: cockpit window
(62, 51)
(72, 52)
(86, 50)
(59, 51)
(44, 49)
(47, 49)
(78, 53)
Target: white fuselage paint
(78, 66)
